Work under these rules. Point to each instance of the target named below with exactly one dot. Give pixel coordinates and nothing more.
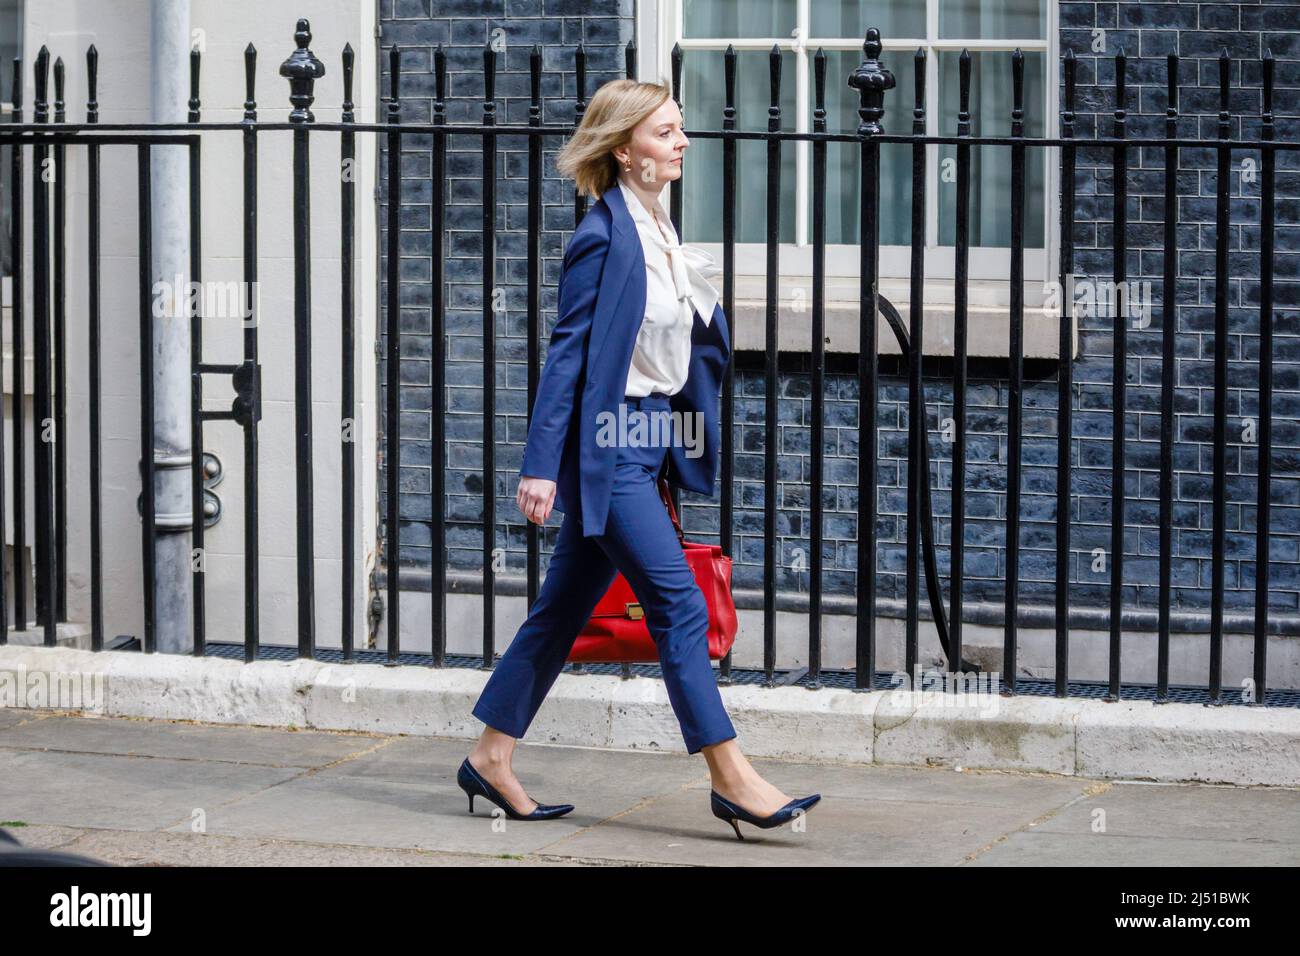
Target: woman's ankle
(493, 748)
(734, 775)
(485, 757)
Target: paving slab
(406, 795)
(133, 848)
(1080, 849)
(269, 746)
(12, 717)
(380, 813)
(148, 792)
(679, 828)
(122, 792)
(1238, 814)
(1128, 823)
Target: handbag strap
(667, 496)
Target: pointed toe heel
(474, 785)
(732, 813)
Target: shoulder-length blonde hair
(618, 107)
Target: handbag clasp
(634, 612)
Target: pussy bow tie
(690, 266)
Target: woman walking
(638, 326)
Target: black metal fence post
(60, 382)
(1263, 497)
(392, 418)
(194, 314)
(1016, 358)
(144, 172)
(251, 317)
(771, 361)
(302, 70)
(917, 470)
(347, 411)
(1119, 378)
(438, 358)
(728, 416)
(489, 293)
(1065, 381)
(818, 345)
(961, 266)
(1222, 224)
(1168, 380)
(93, 341)
(534, 333)
(43, 173)
(871, 80)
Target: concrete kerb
(1023, 733)
(1122, 740)
(1140, 739)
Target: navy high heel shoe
(724, 809)
(475, 786)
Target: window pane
(732, 19)
(993, 19)
(703, 98)
(851, 18)
(843, 160)
(990, 180)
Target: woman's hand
(535, 497)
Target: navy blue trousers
(639, 541)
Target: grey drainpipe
(169, 76)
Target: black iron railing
(872, 81)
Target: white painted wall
(120, 31)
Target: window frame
(659, 26)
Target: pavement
(150, 792)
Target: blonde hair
(618, 107)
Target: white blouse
(676, 288)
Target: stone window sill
(988, 318)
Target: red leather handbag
(617, 632)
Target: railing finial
(302, 69)
(349, 58)
(1018, 92)
(40, 107)
(250, 82)
(918, 102)
(1225, 85)
(395, 83)
(963, 93)
(16, 91)
(196, 60)
(1266, 68)
(871, 80)
(60, 112)
(872, 46)
(92, 84)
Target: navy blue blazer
(602, 299)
